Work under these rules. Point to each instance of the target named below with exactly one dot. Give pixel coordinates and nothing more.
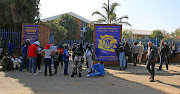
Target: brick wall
(43, 33)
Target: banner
(107, 39)
(31, 32)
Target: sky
(143, 14)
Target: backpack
(121, 49)
(93, 56)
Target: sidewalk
(134, 80)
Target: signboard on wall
(31, 32)
(107, 38)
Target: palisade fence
(11, 34)
(71, 42)
(154, 41)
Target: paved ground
(132, 81)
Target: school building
(81, 21)
(139, 33)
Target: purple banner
(31, 32)
(107, 39)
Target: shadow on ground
(61, 84)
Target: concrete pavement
(134, 80)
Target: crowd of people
(165, 52)
(32, 54)
(52, 55)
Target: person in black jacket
(126, 50)
(151, 58)
(164, 50)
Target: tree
(88, 35)
(158, 34)
(15, 12)
(110, 16)
(69, 23)
(127, 34)
(177, 33)
(58, 31)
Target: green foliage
(88, 36)
(127, 34)
(58, 31)
(158, 34)
(69, 23)
(13, 13)
(177, 33)
(110, 16)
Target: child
(99, 68)
(16, 62)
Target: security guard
(78, 60)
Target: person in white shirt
(16, 62)
(141, 51)
(89, 59)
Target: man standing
(164, 50)
(73, 50)
(126, 50)
(141, 51)
(66, 60)
(151, 56)
(32, 55)
(135, 51)
(10, 48)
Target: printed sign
(107, 39)
(31, 32)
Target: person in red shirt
(60, 52)
(32, 56)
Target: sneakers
(52, 65)
(40, 71)
(30, 73)
(88, 75)
(35, 74)
(152, 80)
(79, 74)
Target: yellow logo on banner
(107, 42)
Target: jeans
(32, 63)
(122, 59)
(151, 70)
(163, 59)
(66, 62)
(23, 62)
(47, 62)
(52, 60)
(135, 58)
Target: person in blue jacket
(66, 60)
(10, 48)
(24, 60)
(99, 68)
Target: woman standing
(47, 53)
(89, 59)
